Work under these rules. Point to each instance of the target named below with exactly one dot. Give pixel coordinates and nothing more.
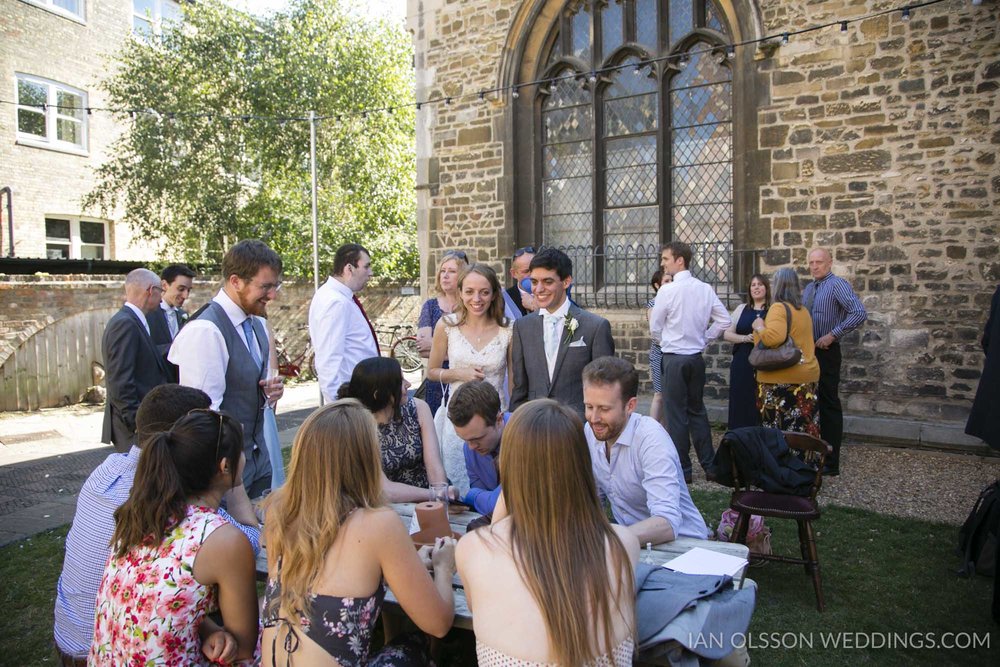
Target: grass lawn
(880, 575)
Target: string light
(680, 61)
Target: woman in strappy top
(551, 582)
(475, 341)
(333, 547)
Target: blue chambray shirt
(644, 478)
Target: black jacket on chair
(764, 461)
(133, 366)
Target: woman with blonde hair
(786, 397)
(551, 581)
(475, 341)
(333, 546)
(446, 288)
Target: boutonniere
(570, 325)
(182, 315)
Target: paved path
(46, 456)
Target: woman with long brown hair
(475, 341)
(552, 581)
(333, 546)
(174, 559)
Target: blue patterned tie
(251, 343)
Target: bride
(475, 341)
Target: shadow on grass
(885, 580)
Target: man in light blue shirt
(88, 543)
(635, 463)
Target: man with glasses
(132, 364)
(224, 351)
(522, 300)
(341, 332)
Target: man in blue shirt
(88, 543)
(635, 463)
(836, 311)
(474, 410)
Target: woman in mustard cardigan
(786, 398)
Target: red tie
(363, 313)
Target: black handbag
(775, 358)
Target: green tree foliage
(199, 182)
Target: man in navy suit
(132, 364)
(166, 321)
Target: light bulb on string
(419, 104)
(731, 52)
(514, 93)
(593, 77)
(638, 69)
(784, 39)
(447, 101)
(843, 26)
(482, 95)
(905, 15)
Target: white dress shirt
(681, 313)
(171, 314)
(644, 477)
(141, 315)
(200, 352)
(557, 330)
(340, 336)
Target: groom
(553, 344)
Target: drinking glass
(439, 492)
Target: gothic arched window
(635, 156)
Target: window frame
(75, 242)
(50, 6)
(52, 116)
(530, 61)
(155, 20)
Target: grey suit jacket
(531, 370)
(133, 366)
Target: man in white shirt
(224, 351)
(635, 464)
(342, 335)
(680, 321)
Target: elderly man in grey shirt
(635, 463)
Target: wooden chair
(802, 509)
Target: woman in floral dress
(407, 441)
(175, 560)
(786, 398)
(333, 547)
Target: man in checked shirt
(836, 311)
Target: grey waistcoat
(243, 398)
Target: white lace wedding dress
(492, 360)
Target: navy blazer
(132, 366)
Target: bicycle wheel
(406, 353)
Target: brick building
(54, 53)
(878, 139)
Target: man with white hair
(131, 362)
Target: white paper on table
(705, 561)
(414, 524)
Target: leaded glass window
(637, 156)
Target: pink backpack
(758, 535)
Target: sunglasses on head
(460, 254)
(526, 250)
(218, 439)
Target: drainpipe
(10, 219)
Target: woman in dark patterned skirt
(407, 440)
(786, 398)
(742, 383)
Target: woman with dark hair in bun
(408, 443)
(175, 560)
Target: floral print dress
(149, 605)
